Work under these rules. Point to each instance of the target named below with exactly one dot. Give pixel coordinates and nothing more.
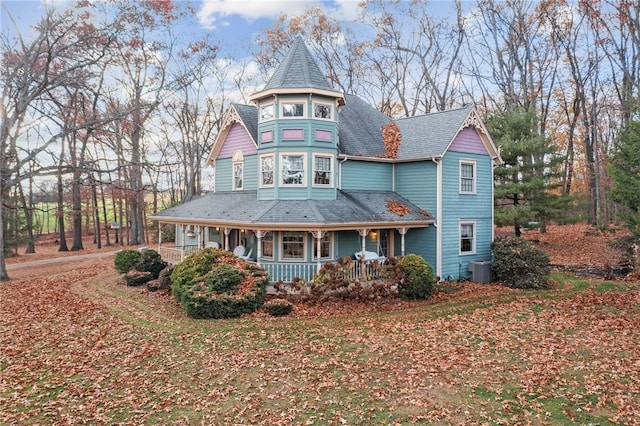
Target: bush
(135, 278)
(278, 307)
(416, 277)
(215, 284)
(342, 280)
(126, 260)
(150, 261)
(518, 263)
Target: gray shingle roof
(249, 116)
(428, 136)
(350, 207)
(298, 69)
(360, 128)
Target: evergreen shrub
(278, 307)
(416, 277)
(519, 263)
(215, 284)
(150, 261)
(126, 260)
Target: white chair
(369, 256)
(213, 244)
(239, 252)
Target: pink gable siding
(237, 139)
(468, 141)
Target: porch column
(159, 235)
(363, 233)
(402, 232)
(318, 236)
(260, 233)
(199, 234)
(227, 231)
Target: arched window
(238, 169)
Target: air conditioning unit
(480, 271)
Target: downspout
(438, 162)
(340, 172)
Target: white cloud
(250, 9)
(212, 10)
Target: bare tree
(56, 57)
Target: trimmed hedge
(215, 284)
(417, 277)
(518, 263)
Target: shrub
(135, 278)
(215, 284)
(416, 277)
(126, 260)
(150, 261)
(340, 281)
(278, 307)
(518, 263)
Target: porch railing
(279, 271)
(176, 254)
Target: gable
(468, 141)
(237, 139)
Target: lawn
(78, 347)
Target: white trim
(474, 237)
(304, 169)
(331, 235)
(331, 171)
(281, 258)
(261, 183)
(439, 243)
(271, 104)
(237, 161)
(305, 108)
(328, 104)
(474, 178)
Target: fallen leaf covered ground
(78, 347)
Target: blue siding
(462, 207)
(417, 182)
(367, 175)
(223, 174)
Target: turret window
(266, 112)
(266, 170)
(292, 109)
(322, 170)
(292, 167)
(323, 111)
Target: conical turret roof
(298, 70)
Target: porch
(281, 271)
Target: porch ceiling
(351, 209)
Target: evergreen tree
(624, 169)
(526, 188)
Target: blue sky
(235, 22)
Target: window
(292, 109)
(293, 245)
(467, 177)
(322, 111)
(467, 238)
(266, 112)
(266, 170)
(292, 167)
(322, 171)
(238, 166)
(267, 245)
(325, 246)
